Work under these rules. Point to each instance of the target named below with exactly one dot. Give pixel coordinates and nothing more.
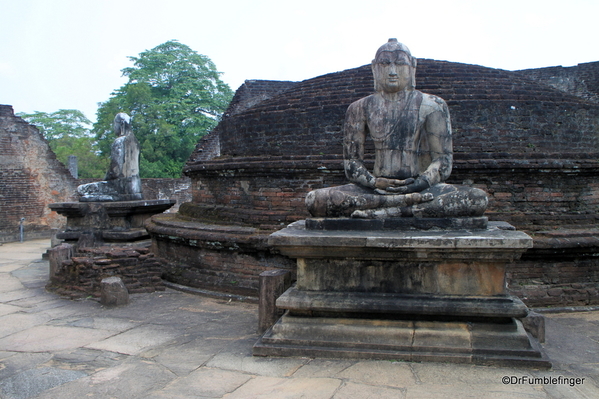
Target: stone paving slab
(129, 379)
(494, 391)
(15, 322)
(206, 382)
(47, 338)
(381, 373)
(351, 390)
(32, 382)
(15, 362)
(287, 388)
(9, 283)
(175, 345)
(135, 341)
(9, 296)
(8, 309)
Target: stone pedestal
(402, 293)
(116, 221)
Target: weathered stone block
(113, 292)
(534, 323)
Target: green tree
(174, 96)
(68, 133)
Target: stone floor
(175, 345)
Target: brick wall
(80, 276)
(562, 269)
(30, 178)
(493, 111)
(582, 79)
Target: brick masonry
(582, 79)
(30, 178)
(81, 276)
(531, 146)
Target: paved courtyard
(176, 345)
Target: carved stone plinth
(116, 221)
(416, 295)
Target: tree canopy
(68, 133)
(174, 97)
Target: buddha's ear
(372, 67)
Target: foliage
(174, 96)
(68, 133)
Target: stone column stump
(272, 284)
(56, 256)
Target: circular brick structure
(532, 147)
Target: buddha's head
(394, 68)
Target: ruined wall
(82, 275)
(30, 178)
(249, 94)
(177, 189)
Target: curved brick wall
(532, 147)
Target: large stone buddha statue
(411, 132)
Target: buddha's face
(392, 71)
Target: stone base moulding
(116, 221)
(484, 343)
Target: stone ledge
(368, 303)
(113, 208)
(495, 243)
(173, 228)
(398, 224)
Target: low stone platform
(223, 258)
(484, 343)
(414, 295)
(116, 221)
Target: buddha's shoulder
(431, 103)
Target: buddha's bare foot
(362, 214)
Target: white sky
(62, 54)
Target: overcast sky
(65, 54)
